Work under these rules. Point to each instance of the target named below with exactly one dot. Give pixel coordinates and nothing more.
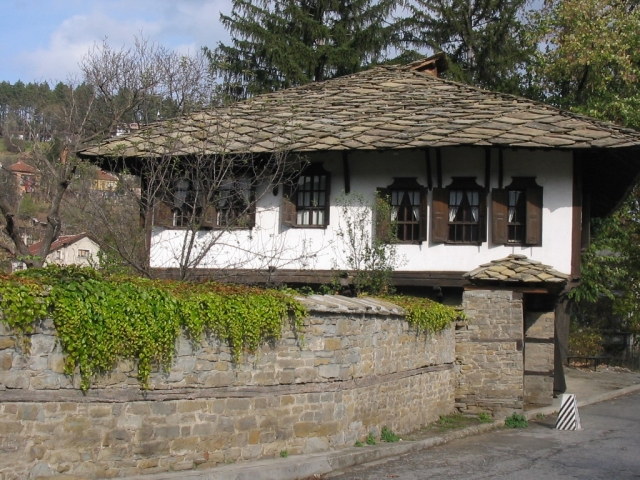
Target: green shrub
(484, 418)
(516, 421)
(388, 436)
(424, 314)
(370, 439)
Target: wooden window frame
(291, 207)
(387, 228)
(166, 214)
(441, 225)
(533, 198)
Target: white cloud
(185, 26)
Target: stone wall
(538, 357)
(359, 367)
(489, 355)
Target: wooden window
(306, 202)
(407, 212)
(231, 205)
(459, 213)
(234, 205)
(83, 253)
(517, 213)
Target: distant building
(78, 249)
(105, 182)
(26, 174)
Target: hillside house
(26, 176)
(79, 250)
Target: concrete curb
(603, 397)
(303, 466)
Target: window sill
(477, 244)
(202, 228)
(317, 227)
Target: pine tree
(282, 43)
(484, 39)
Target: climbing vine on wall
(424, 314)
(100, 319)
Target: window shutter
(424, 195)
(440, 216)
(482, 211)
(251, 215)
(162, 214)
(499, 216)
(383, 215)
(210, 217)
(326, 200)
(534, 216)
(289, 209)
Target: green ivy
(100, 319)
(424, 314)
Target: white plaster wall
(271, 244)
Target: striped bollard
(568, 418)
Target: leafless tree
(116, 86)
(196, 198)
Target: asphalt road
(608, 447)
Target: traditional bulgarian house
(488, 192)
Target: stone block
(30, 412)
(538, 389)
(14, 379)
(333, 344)
(7, 342)
(539, 357)
(329, 371)
(43, 344)
(6, 360)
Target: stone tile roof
(516, 268)
(387, 107)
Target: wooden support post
(576, 233)
(347, 175)
(500, 168)
(427, 155)
(487, 169)
(439, 166)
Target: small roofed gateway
(470, 177)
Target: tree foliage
(282, 43)
(484, 39)
(589, 59)
(609, 294)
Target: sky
(45, 39)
